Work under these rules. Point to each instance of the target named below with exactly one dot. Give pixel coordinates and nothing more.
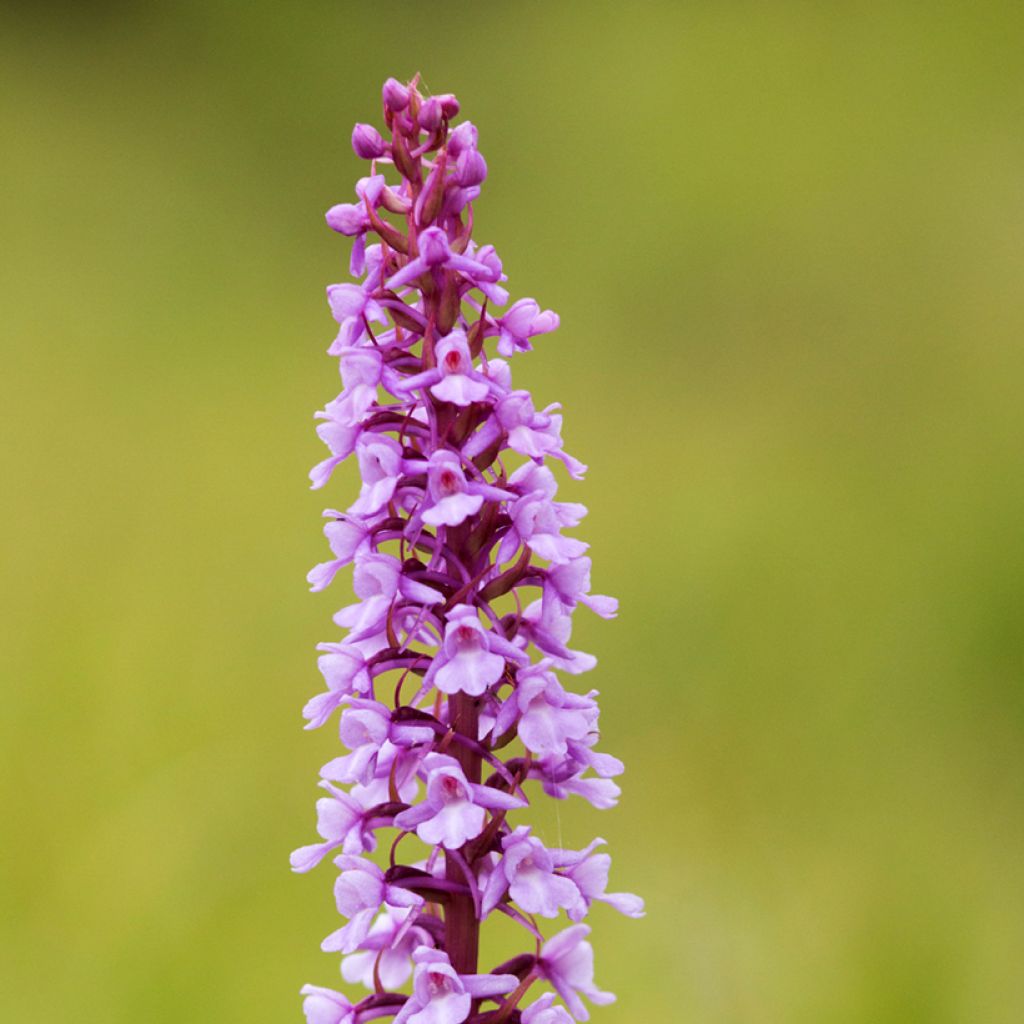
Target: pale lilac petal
(542, 1012)
(319, 709)
(411, 590)
(325, 1006)
(471, 672)
(451, 1009)
(606, 607)
(357, 890)
(493, 892)
(453, 510)
(347, 938)
(320, 576)
(539, 892)
(496, 799)
(452, 826)
(489, 984)
(307, 857)
(412, 817)
(625, 903)
(460, 390)
(321, 472)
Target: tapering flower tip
(367, 142)
(395, 95)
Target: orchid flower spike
(445, 686)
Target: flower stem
(462, 929)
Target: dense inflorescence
(445, 684)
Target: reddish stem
(462, 929)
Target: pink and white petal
(567, 858)
(494, 891)
(409, 819)
(306, 858)
(606, 607)
(420, 593)
(507, 649)
(450, 1009)
(357, 969)
(625, 903)
(469, 672)
(395, 968)
(494, 799)
(420, 380)
(373, 497)
(539, 892)
(325, 1006)
(320, 576)
(556, 549)
(591, 875)
(539, 730)
(396, 897)
(606, 765)
(600, 793)
(321, 472)
(452, 825)
(347, 938)
(357, 890)
(319, 708)
(454, 509)
(480, 985)
(460, 390)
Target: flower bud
(449, 104)
(434, 246)
(430, 114)
(367, 142)
(462, 138)
(395, 95)
(347, 219)
(470, 169)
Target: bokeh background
(786, 241)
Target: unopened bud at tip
(430, 115)
(395, 95)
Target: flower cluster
(445, 686)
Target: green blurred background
(786, 241)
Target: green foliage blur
(786, 240)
